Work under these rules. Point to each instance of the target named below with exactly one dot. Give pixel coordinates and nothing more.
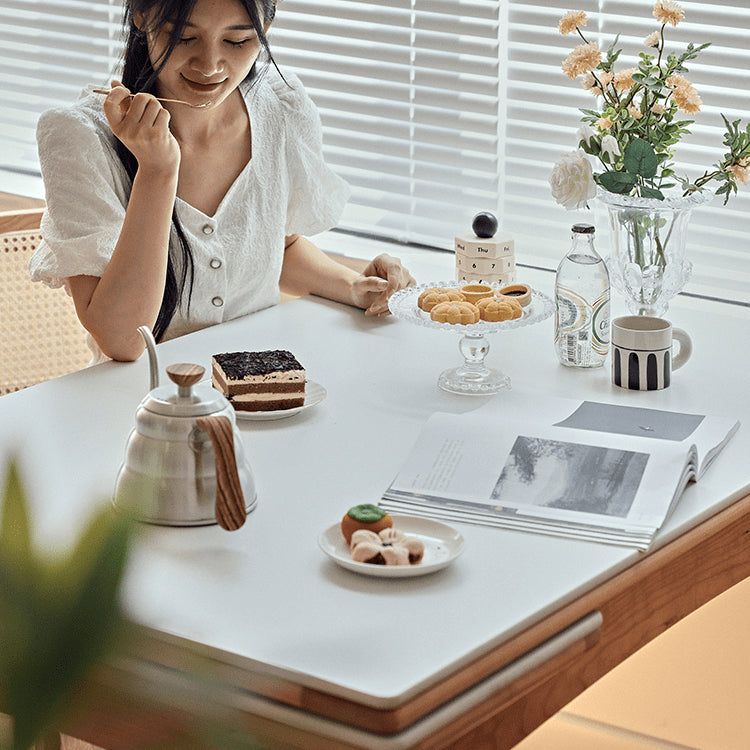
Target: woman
(183, 215)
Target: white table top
(265, 597)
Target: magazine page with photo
(582, 469)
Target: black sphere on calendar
(484, 224)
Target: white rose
(585, 133)
(610, 147)
(572, 180)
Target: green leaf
(640, 159)
(58, 617)
(647, 192)
(617, 182)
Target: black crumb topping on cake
(237, 365)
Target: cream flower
(591, 82)
(676, 80)
(741, 171)
(588, 81)
(687, 98)
(652, 40)
(635, 113)
(667, 11)
(572, 181)
(604, 123)
(583, 59)
(624, 79)
(741, 174)
(658, 109)
(571, 21)
(610, 147)
(590, 85)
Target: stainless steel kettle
(184, 461)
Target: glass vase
(648, 238)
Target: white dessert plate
(314, 394)
(442, 545)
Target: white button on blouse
(217, 301)
(208, 229)
(215, 263)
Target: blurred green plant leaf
(57, 617)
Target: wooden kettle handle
(230, 502)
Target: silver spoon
(175, 101)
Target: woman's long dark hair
(138, 74)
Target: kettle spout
(153, 363)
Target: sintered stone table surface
(296, 651)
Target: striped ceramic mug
(642, 352)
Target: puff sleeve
(316, 195)
(87, 191)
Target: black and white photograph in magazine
(570, 476)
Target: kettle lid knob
(185, 375)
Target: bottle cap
(583, 228)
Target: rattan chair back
(41, 337)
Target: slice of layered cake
(259, 381)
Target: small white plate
(314, 394)
(442, 545)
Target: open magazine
(578, 469)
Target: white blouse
(286, 188)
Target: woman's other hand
(142, 124)
(382, 277)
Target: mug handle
(686, 347)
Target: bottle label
(600, 324)
(581, 329)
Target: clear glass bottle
(582, 303)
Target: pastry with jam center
(519, 292)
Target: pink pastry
(389, 547)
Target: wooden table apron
(489, 691)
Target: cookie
(434, 296)
(455, 312)
(474, 292)
(495, 309)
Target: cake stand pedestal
(473, 377)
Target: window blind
(408, 92)
(432, 109)
(49, 51)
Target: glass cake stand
(473, 377)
